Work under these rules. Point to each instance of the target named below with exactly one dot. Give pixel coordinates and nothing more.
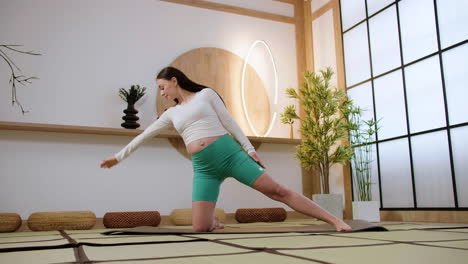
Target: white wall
(90, 49)
(43, 171)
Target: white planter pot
(367, 210)
(333, 203)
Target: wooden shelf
(115, 131)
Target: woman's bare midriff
(199, 144)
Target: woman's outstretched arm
(155, 128)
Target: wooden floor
(403, 243)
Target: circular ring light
(275, 101)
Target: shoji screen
(405, 62)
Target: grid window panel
(418, 29)
(453, 21)
(356, 51)
(362, 97)
(425, 95)
(376, 5)
(390, 105)
(395, 174)
(456, 79)
(352, 12)
(432, 172)
(421, 83)
(460, 156)
(385, 46)
(375, 193)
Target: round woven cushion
(251, 215)
(9, 222)
(50, 221)
(131, 219)
(184, 216)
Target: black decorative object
(131, 97)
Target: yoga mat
(356, 225)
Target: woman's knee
(266, 185)
(199, 225)
(280, 193)
(202, 223)
(202, 227)
(202, 215)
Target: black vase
(130, 117)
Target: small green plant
(289, 115)
(323, 127)
(361, 135)
(288, 118)
(133, 94)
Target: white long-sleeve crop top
(203, 116)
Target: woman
(203, 122)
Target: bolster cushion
(9, 222)
(251, 215)
(184, 216)
(50, 221)
(131, 219)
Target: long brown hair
(184, 82)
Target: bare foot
(217, 224)
(342, 226)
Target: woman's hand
(255, 157)
(109, 163)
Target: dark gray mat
(356, 225)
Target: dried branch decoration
(16, 76)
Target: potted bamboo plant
(323, 127)
(361, 135)
(131, 96)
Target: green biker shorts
(221, 159)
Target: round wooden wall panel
(221, 71)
